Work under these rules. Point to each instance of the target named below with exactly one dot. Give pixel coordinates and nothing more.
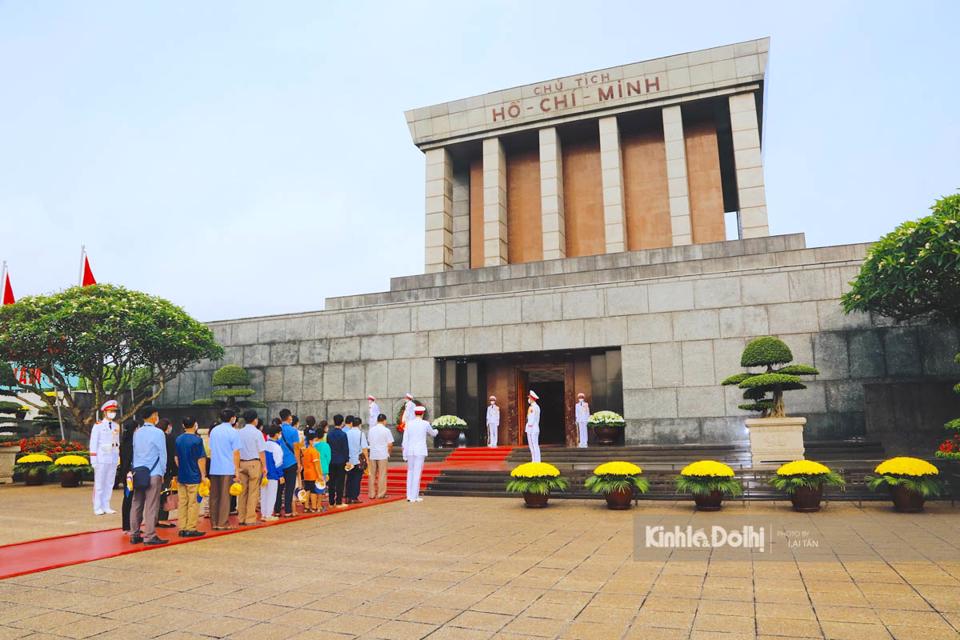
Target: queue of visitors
(258, 471)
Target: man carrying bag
(148, 466)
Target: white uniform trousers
(414, 471)
(268, 497)
(104, 476)
(533, 441)
(582, 433)
(492, 433)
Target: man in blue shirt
(191, 468)
(150, 451)
(357, 441)
(290, 445)
(339, 456)
(224, 462)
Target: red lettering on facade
(560, 102)
(545, 105)
(498, 114)
(655, 84)
(605, 94)
(634, 88)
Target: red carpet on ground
(32, 556)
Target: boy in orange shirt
(311, 471)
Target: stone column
(461, 219)
(611, 167)
(551, 196)
(677, 186)
(494, 204)
(749, 166)
(439, 205)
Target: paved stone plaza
(488, 568)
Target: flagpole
(3, 277)
(83, 253)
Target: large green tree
(913, 271)
(115, 339)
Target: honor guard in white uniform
(533, 426)
(493, 422)
(409, 408)
(104, 456)
(415, 451)
(374, 411)
(582, 411)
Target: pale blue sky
(249, 158)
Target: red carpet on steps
(32, 556)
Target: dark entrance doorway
(557, 376)
(551, 412)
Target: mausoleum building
(604, 233)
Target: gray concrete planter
(8, 456)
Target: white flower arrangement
(449, 422)
(606, 419)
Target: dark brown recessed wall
(524, 226)
(582, 190)
(646, 199)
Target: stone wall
(680, 315)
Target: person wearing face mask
(104, 456)
(533, 426)
(582, 417)
(373, 412)
(493, 422)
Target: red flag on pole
(88, 278)
(7, 290)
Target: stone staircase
(661, 464)
(437, 460)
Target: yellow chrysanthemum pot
(910, 482)
(619, 482)
(803, 482)
(708, 481)
(535, 480)
(70, 469)
(33, 466)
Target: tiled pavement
(483, 568)
(28, 513)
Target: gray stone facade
(680, 315)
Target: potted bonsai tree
(231, 388)
(71, 469)
(607, 425)
(774, 436)
(619, 482)
(803, 481)
(910, 482)
(708, 481)
(535, 480)
(33, 467)
(449, 428)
